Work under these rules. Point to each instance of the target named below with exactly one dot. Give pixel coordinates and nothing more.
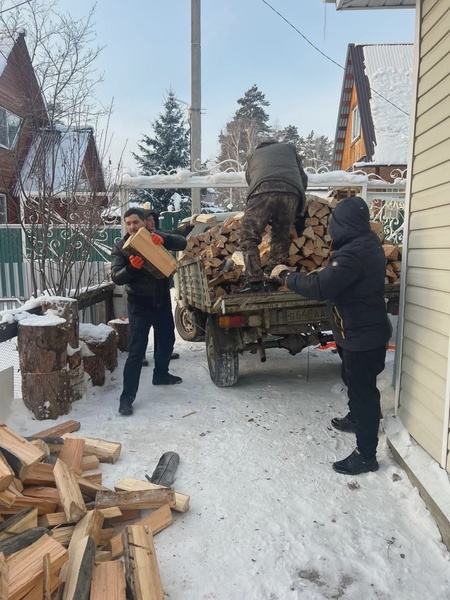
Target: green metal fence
(15, 274)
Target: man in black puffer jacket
(148, 305)
(276, 194)
(353, 284)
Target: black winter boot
(355, 464)
(344, 424)
(252, 287)
(125, 408)
(165, 379)
(271, 286)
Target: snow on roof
(7, 42)
(186, 179)
(56, 156)
(389, 70)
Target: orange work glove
(136, 261)
(157, 239)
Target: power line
(328, 57)
(15, 6)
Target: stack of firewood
(308, 251)
(62, 531)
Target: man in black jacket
(152, 224)
(148, 305)
(353, 284)
(276, 195)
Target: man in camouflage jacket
(276, 195)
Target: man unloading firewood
(148, 305)
(152, 224)
(276, 194)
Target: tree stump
(47, 395)
(101, 341)
(76, 381)
(122, 328)
(42, 343)
(66, 308)
(93, 365)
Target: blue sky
(243, 42)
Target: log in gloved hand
(279, 273)
(137, 262)
(157, 239)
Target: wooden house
(65, 161)
(422, 386)
(36, 157)
(372, 130)
(22, 109)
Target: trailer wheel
(223, 366)
(190, 324)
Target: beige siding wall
(423, 402)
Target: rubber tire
(223, 366)
(189, 324)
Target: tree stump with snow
(122, 327)
(42, 344)
(99, 350)
(67, 308)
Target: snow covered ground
(269, 518)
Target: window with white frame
(3, 210)
(9, 128)
(356, 123)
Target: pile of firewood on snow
(62, 532)
(223, 263)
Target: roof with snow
(55, 161)
(382, 76)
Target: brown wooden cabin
(32, 151)
(22, 109)
(372, 131)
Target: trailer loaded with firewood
(211, 270)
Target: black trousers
(359, 373)
(141, 319)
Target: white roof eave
(186, 179)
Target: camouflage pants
(279, 208)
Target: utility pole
(196, 128)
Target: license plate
(306, 315)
